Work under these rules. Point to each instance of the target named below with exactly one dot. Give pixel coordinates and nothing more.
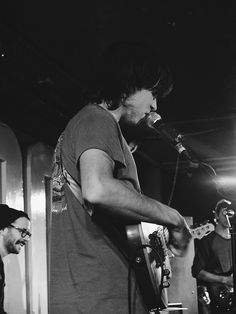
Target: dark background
(48, 51)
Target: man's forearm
(210, 277)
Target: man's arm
(212, 278)
(99, 187)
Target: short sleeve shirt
(89, 270)
(213, 255)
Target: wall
(25, 185)
(11, 192)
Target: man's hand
(228, 280)
(179, 240)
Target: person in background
(97, 191)
(212, 264)
(14, 234)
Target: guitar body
(221, 295)
(149, 254)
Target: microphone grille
(152, 118)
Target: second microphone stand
(232, 230)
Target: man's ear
(3, 231)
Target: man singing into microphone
(212, 264)
(98, 192)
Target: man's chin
(130, 121)
(18, 248)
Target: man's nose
(26, 239)
(154, 105)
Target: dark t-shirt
(89, 268)
(213, 254)
(2, 285)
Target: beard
(14, 247)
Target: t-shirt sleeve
(100, 131)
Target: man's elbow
(94, 194)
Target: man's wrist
(223, 280)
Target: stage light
(226, 186)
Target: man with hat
(212, 265)
(14, 234)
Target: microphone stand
(233, 246)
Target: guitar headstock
(202, 230)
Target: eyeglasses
(24, 232)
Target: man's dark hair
(128, 67)
(8, 215)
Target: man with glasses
(14, 234)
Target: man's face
(222, 220)
(137, 106)
(14, 240)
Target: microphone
(171, 135)
(228, 212)
(225, 205)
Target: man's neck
(116, 113)
(222, 231)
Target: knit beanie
(8, 215)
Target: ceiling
(49, 50)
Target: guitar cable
(131, 263)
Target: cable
(174, 181)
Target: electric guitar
(221, 295)
(150, 255)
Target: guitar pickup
(165, 284)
